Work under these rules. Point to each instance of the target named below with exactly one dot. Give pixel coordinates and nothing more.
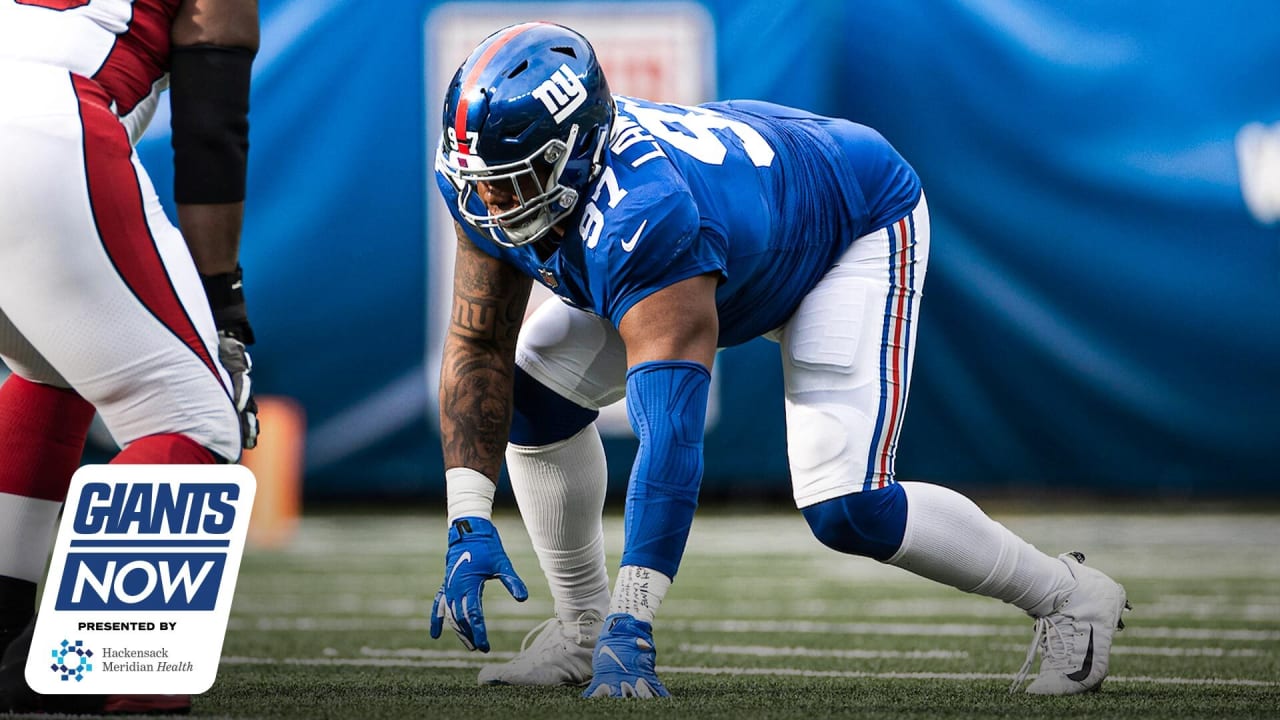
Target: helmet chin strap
(597, 160)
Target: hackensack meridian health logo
(140, 585)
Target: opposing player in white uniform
(668, 232)
(104, 304)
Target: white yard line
(739, 671)
(355, 600)
(351, 662)
(968, 609)
(1194, 681)
(768, 651)
(286, 624)
(1155, 546)
(1167, 651)
(947, 629)
(796, 672)
(751, 650)
(431, 654)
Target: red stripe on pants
(120, 216)
(897, 372)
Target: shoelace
(1046, 629)
(535, 632)
(576, 625)
(583, 621)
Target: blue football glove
(623, 662)
(475, 555)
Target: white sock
(950, 540)
(560, 490)
(27, 527)
(639, 592)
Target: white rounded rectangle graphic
(141, 581)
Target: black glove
(231, 316)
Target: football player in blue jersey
(670, 232)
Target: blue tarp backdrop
(1103, 302)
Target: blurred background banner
(1103, 305)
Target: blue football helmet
(528, 113)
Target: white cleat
(560, 654)
(1075, 639)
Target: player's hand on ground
(235, 358)
(225, 292)
(624, 660)
(475, 555)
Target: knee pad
(578, 355)
(540, 416)
(870, 523)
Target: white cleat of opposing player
(560, 654)
(1075, 639)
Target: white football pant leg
(94, 278)
(846, 363)
(847, 360)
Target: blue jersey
(765, 196)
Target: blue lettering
(140, 581)
(137, 509)
(91, 499)
(221, 506)
(170, 508)
(147, 509)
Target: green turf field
(761, 623)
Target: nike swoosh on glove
(475, 556)
(624, 660)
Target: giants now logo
(134, 545)
(144, 569)
(562, 94)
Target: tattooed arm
(489, 300)
(476, 376)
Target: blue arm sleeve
(667, 405)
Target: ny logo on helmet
(562, 93)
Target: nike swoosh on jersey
(629, 245)
(608, 652)
(464, 557)
(1083, 672)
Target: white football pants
(98, 291)
(846, 361)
